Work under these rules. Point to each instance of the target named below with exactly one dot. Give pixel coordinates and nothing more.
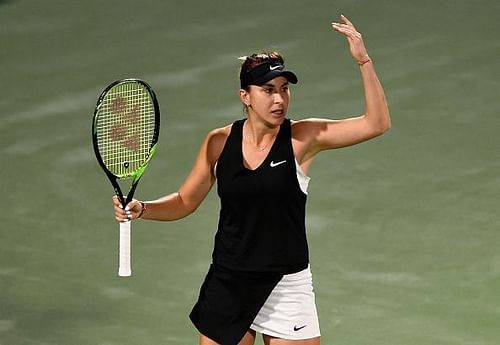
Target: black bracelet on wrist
(143, 205)
(361, 63)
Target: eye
(285, 88)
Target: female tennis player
(260, 279)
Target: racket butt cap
(124, 272)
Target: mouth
(278, 112)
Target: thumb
(133, 209)
(133, 206)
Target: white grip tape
(124, 269)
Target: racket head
(125, 130)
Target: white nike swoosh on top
(272, 68)
(273, 165)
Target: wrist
(143, 208)
(363, 62)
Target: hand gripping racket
(125, 133)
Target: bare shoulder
(215, 141)
(220, 132)
(305, 134)
(302, 137)
(218, 136)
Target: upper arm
(201, 177)
(315, 135)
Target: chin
(276, 120)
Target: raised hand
(354, 38)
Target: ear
(244, 97)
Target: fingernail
(128, 212)
(120, 206)
(127, 208)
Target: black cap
(265, 72)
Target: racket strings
(125, 128)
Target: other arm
(191, 193)
(315, 135)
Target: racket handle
(124, 269)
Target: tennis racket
(125, 131)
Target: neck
(258, 136)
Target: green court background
(403, 230)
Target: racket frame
(124, 256)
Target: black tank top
(262, 217)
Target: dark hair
(255, 60)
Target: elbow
(187, 206)
(190, 209)
(384, 125)
(380, 128)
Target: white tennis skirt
(290, 310)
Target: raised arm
(192, 192)
(323, 134)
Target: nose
(278, 98)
